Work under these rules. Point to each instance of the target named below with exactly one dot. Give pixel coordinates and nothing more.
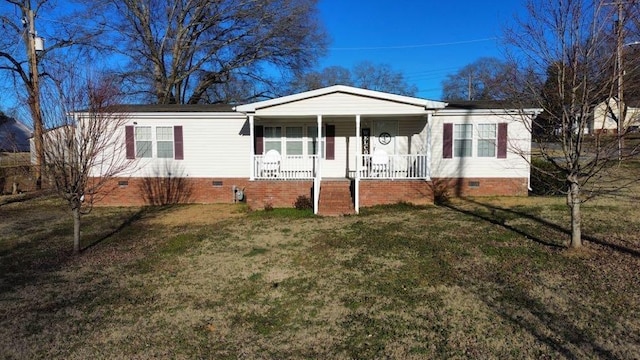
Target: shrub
(268, 207)
(545, 178)
(441, 192)
(303, 202)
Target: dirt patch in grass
(186, 215)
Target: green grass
(282, 213)
(478, 278)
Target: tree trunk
(76, 230)
(573, 200)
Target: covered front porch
(340, 132)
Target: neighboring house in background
(14, 135)
(604, 117)
(14, 156)
(343, 147)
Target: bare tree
(381, 77)
(566, 42)
(180, 50)
(487, 78)
(311, 80)
(366, 75)
(84, 149)
(23, 66)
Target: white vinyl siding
(515, 165)
(215, 145)
(164, 142)
(144, 148)
(342, 104)
(487, 136)
(462, 140)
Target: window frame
(482, 138)
(309, 142)
(170, 140)
(468, 139)
(148, 154)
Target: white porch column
(428, 142)
(252, 168)
(356, 194)
(317, 179)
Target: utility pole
(620, 68)
(33, 88)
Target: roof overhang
(426, 104)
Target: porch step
(335, 198)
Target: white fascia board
(179, 115)
(453, 112)
(428, 104)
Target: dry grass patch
(482, 278)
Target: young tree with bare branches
(23, 54)
(569, 43)
(84, 146)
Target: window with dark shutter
(178, 142)
(331, 142)
(502, 141)
(447, 141)
(129, 139)
(259, 140)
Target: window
(487, 140)
(143, 142)
(139, 142)
(294, 140)
(462, 140)
(272, 138)
(490, 139)
(164, 142)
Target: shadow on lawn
(559, 330)
(555, 329)
(50, 251)
(126, 223)
(493, 216)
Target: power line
(413, 46)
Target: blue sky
(424, 39)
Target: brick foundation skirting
(459, 187)
(283, 193)
(380, 192)
(162, 191)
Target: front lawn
(483, 278)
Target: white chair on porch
(379, 163)
(271, 163)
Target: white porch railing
(411, 166)
(290, 167)
(300, 167)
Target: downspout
(356, 190)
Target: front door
(384, 136)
